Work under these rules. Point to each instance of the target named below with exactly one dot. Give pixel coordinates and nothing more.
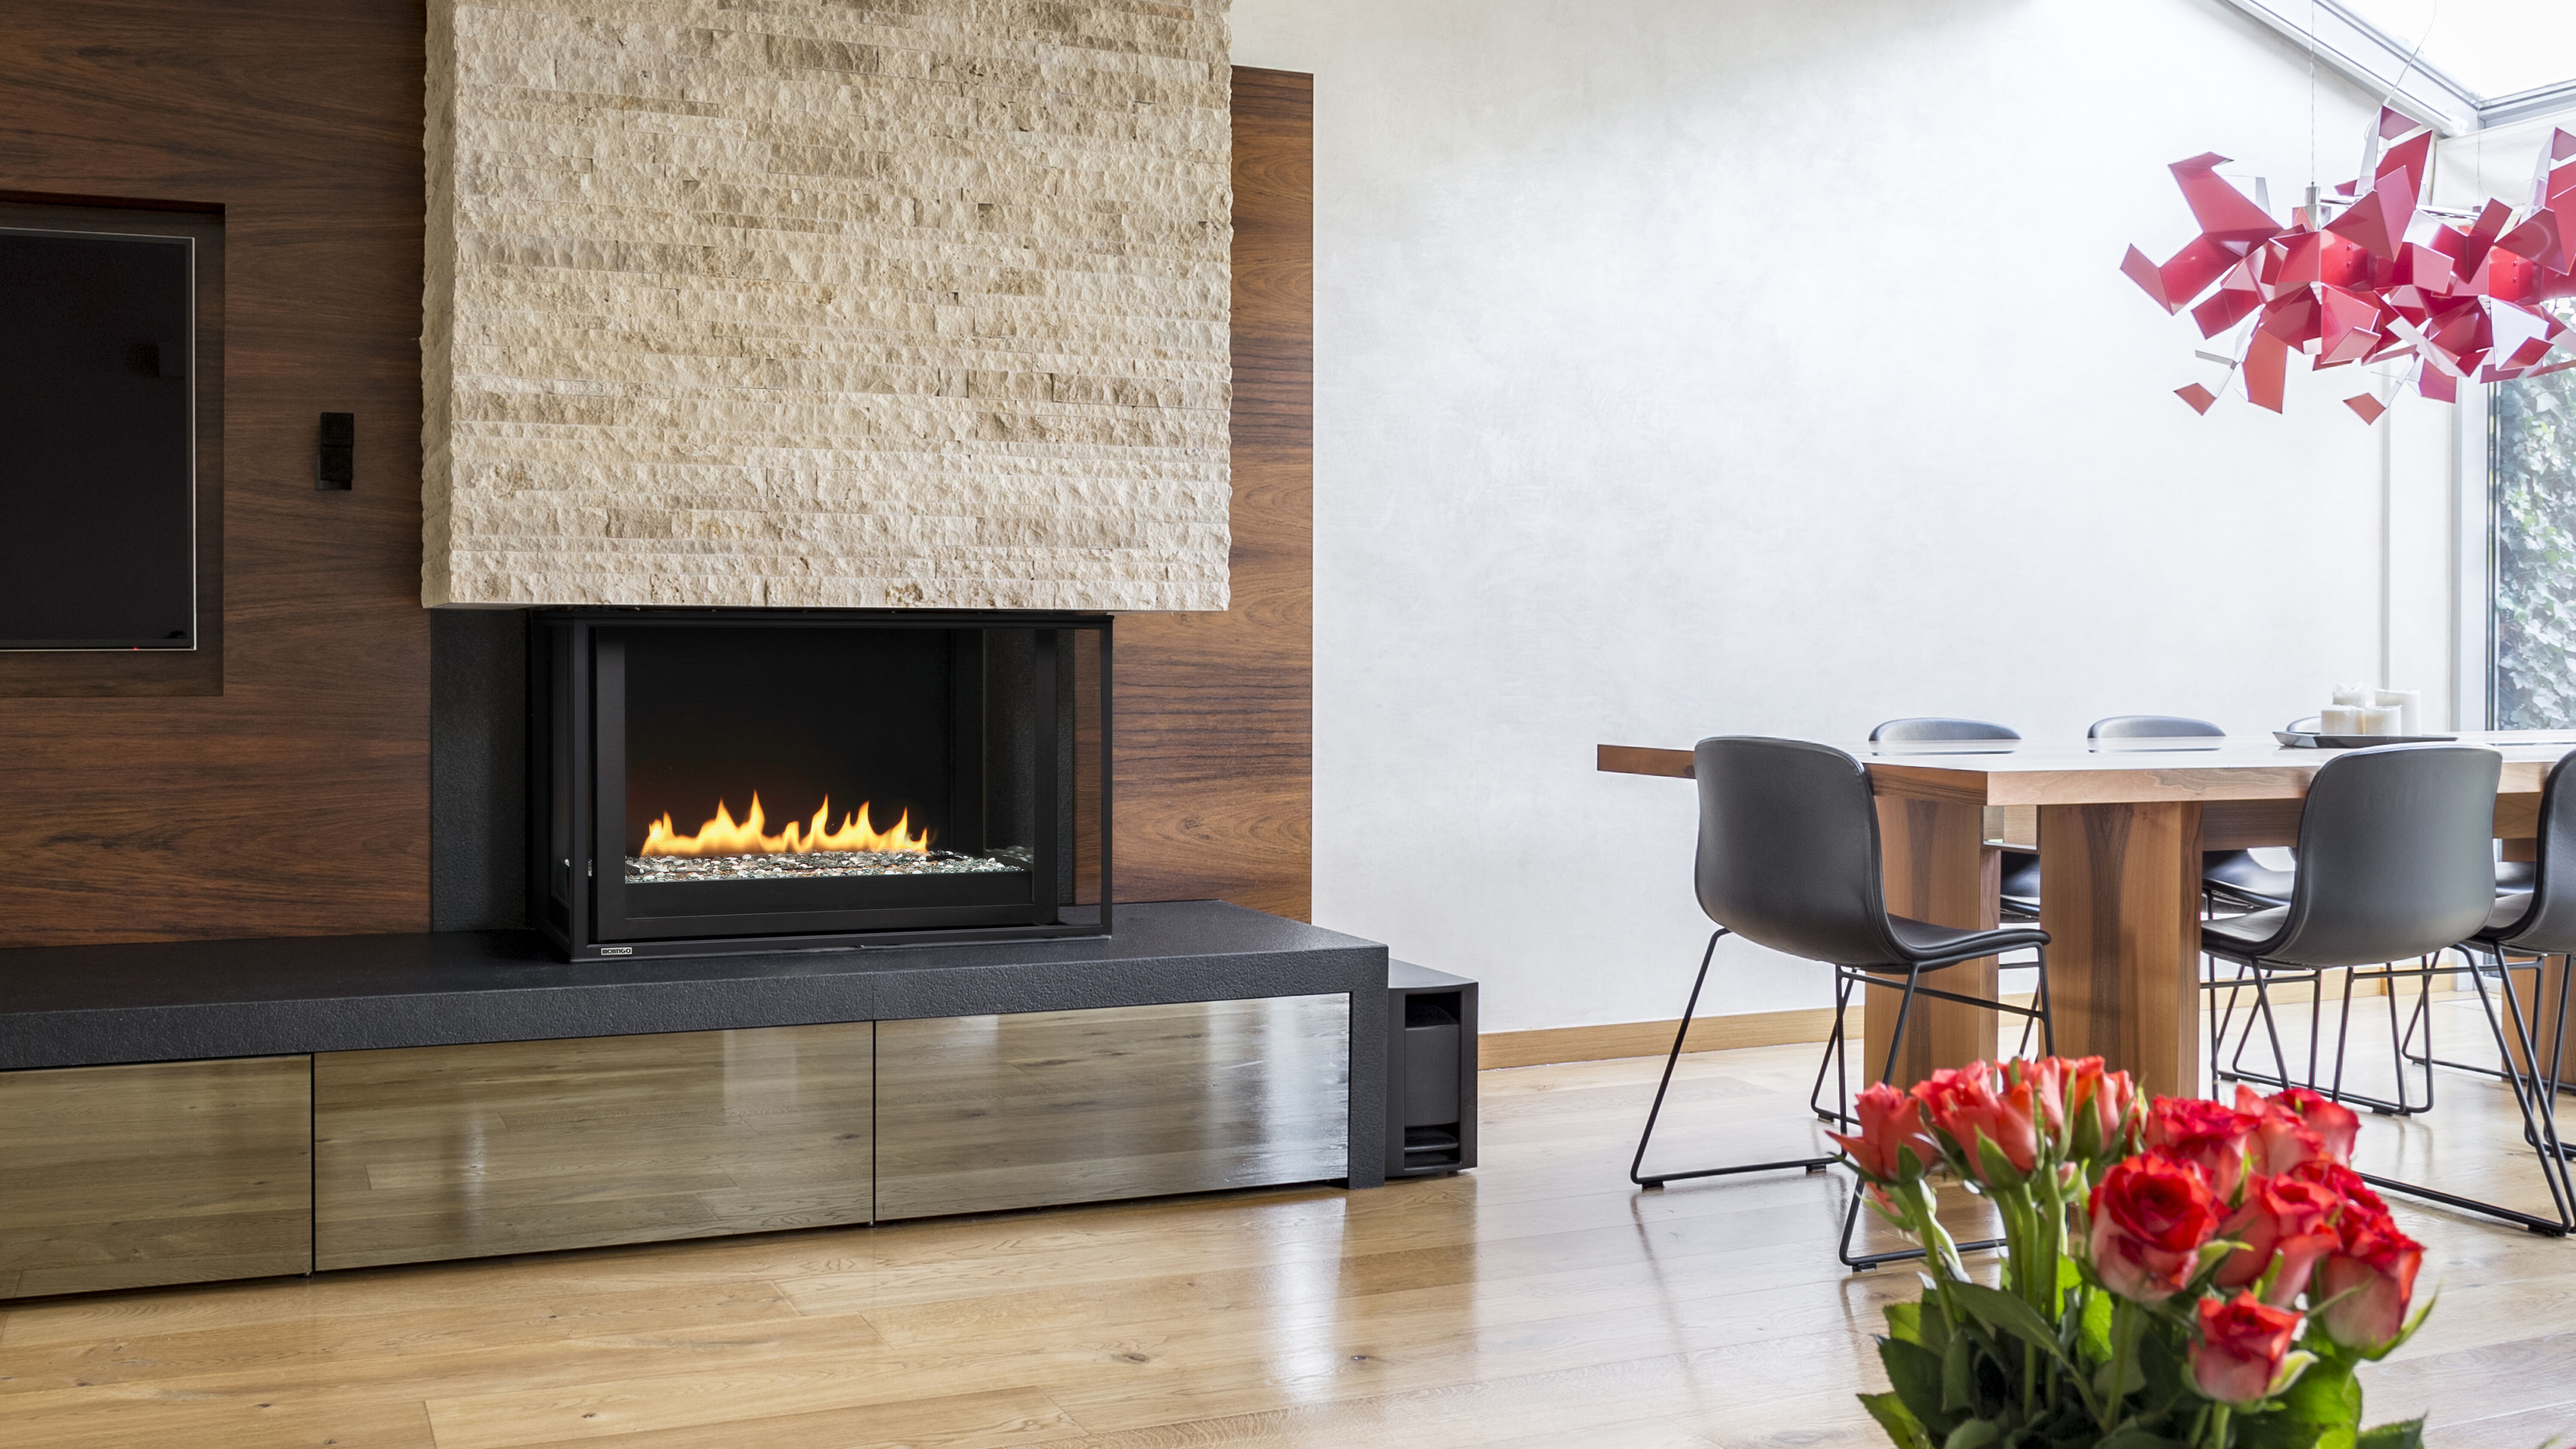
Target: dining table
(2119, 827)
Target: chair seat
(2021, 881)
(2243, 935)
(1926, 944)
(2241, 879)
(2505, 921)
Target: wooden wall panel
(1216, 711)
(296, 802)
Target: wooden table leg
(1937, 868)
(2120, 898)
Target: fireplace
(748, 780)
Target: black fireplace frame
(583, 911)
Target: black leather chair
(2537, 922)
(2020, 891)
(1789, 859)
(2396, 861)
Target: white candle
(2339, 719)
(2410, 707)
(2352, 694)
(2382, 719)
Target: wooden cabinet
(981, 1113)
(463, 1151)
(178, 1172)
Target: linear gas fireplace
(743, 780)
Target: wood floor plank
(1539, 1301)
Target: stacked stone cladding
(796, 303)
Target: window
(2533, 483)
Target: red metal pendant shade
(2463, 303)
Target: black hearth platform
(67, 1006)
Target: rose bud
(2151, 1218)
(1892, 1145)
(2367, 1283)
(2244, 1342)
(2100, 1105)
(2296, 1126)
(2344, 1183)
(2275, 1208)
(2046, 1078)
(2205, 1135)
(1964, 1104)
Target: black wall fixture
(335, 466)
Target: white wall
(1689, 367)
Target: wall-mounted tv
(97, 441)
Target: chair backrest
(2396, 855)
(2152, 727)
(2550, 923)
(1934, 727)
(1788, 849)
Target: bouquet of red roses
(2180, 1273)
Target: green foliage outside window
(2535, 543)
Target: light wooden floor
(1536, 1302)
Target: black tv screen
(97, 441)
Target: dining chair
(2537, 922)
(2019, 892)
(1789, 859)
(2395, 862)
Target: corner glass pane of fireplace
(727, 780)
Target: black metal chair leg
(2538, 1106)
(1681, 1035)
(1837, 1051)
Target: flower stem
(2124, 1337)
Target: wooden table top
(2101, 772)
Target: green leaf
(1914, 1375)
(2322, 1410)
(2405, 1434)
(1974, 1434)
(1959, 1377)
(2093, 1333)
(1905, 1322)
(2004, 1313)
(1902, 1427)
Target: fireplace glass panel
(734, 778)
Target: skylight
(2481, 63)
(2495, 48)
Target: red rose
(1964, 1104)
(2151, 1218)
(1892, 1145)
(2205, 1135)
(2242, 1344)
(2047, 1079)
(2342, 1181)
(2281, 1218)
(2297, 1126)
(2367, 1282)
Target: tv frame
(188, 249)
(154, 673)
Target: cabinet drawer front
(171, 1172)
(463, 1151)
(982, 1113)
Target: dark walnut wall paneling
(294, 802)
(1216, 711)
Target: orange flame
(722, 836)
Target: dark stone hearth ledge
(177, 1001)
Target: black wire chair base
(1836, 1058)
(2534, 1092)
